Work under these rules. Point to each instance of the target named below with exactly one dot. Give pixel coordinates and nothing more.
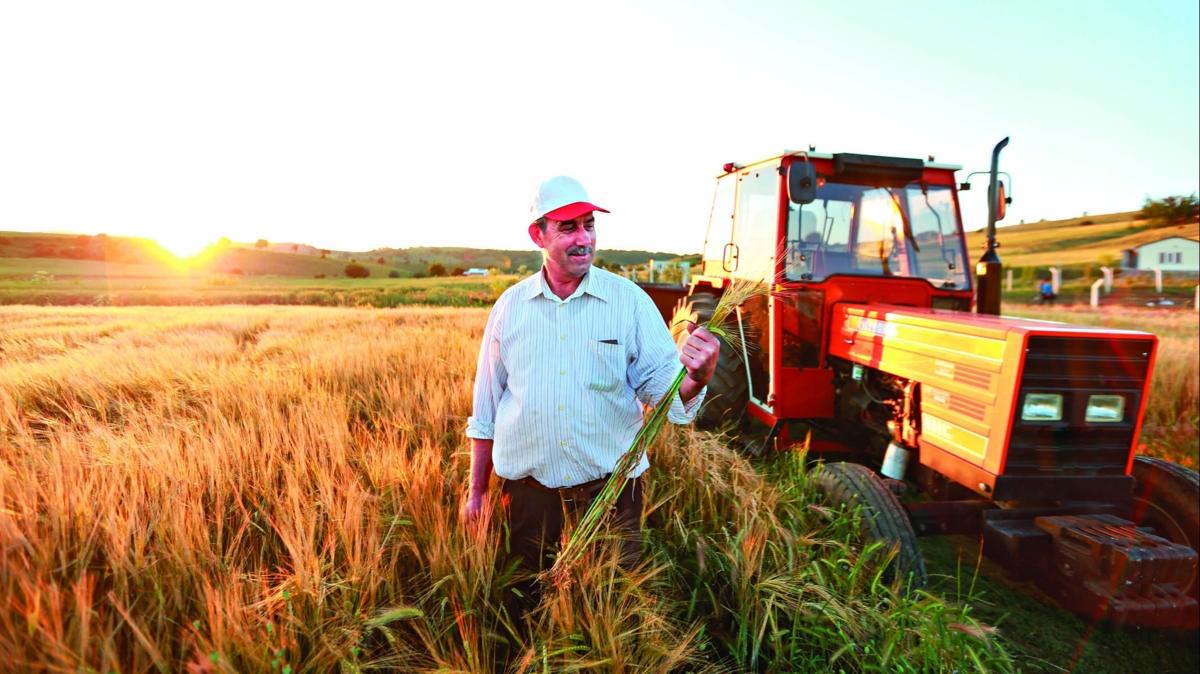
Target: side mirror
(802, 182)
(1002, 200)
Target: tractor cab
(828, 229)
(860, 215)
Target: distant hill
(1093, 239)
(294, 248)
(22, 254)
(123, 250)
(417, 260)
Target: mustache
(580, 250)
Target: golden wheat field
(275, 489)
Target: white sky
(352, 125)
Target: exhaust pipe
(987, 270)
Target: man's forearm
(481, 465)
(690, 388)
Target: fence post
(1009, 270)
(651, 271)
(1158, 279)
(1055, 278)
(1096, 293)
(1108, 278)
(685, 275)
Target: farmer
(568, 358)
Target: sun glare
(184, 245)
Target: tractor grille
(1077, 368)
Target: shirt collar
(593, 284)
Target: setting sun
(184, 245)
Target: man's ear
(536, 234)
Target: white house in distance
(475, 271)
(1174, 253)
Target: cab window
(755, 226)
(720, 224)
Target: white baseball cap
(562, 198)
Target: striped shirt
(560, 384)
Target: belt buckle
(575, 492)
(567, 494)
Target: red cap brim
(572, 211)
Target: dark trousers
(535, 516)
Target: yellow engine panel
(968, 366)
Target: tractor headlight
(1105, 409)
(1042, 407)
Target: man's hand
(471, 511)
(699, 354)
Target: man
(567, 360)
(1046, 288)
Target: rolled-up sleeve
(491, 378)
(656, 364)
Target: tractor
(881, 348)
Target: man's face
(570, 245)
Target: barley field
(275, 489)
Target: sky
(356, 125)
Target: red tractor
(883, 349)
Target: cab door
(755, 235)
(720, 254)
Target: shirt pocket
(606, 367)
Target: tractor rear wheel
(1167, 498)
(882, 518)
(728, 393)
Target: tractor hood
(1008, 396)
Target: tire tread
(883, 518)
(1175, 490)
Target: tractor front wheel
(854, 486)
(728, 392)
(1167, 499)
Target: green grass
(21, 268)
(780, 585)
(1130, 292)
(1040, 636)
(1031, 631)
(232, 289)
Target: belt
(596, 485)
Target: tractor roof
(826, 155)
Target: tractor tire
(851, 485)
(1167, 498)
(728, 392)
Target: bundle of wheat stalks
(586, 532)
